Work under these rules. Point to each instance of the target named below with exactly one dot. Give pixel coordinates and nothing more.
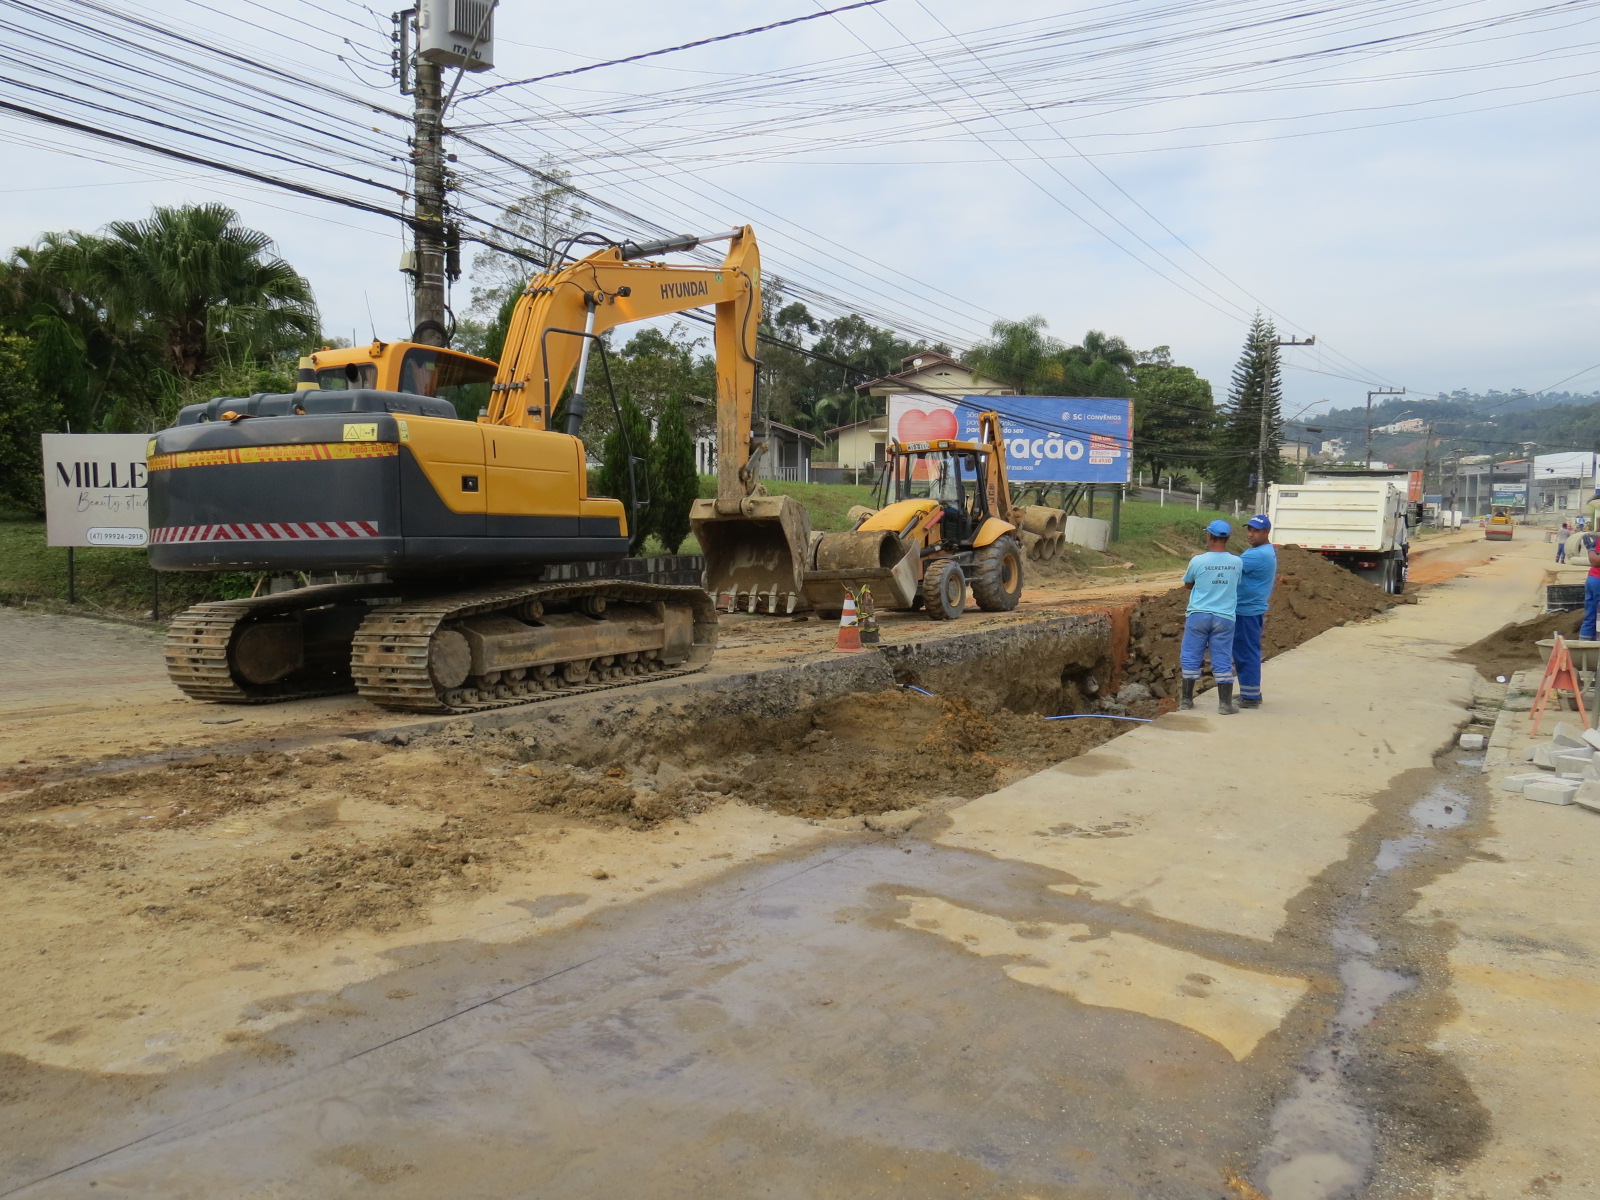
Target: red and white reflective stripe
(280, 531)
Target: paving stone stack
(1570, 774)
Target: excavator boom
(754, 544)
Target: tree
(1023, 356)
(1251, 422)
(625, 469)
(537, 226)
(673, 476)
(1173, 414)
(24, 415)
(1019, 354)
(195, 281)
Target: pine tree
(673, 476)
(629, 444)
(1252, 430)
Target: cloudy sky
(1412, 181)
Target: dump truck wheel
(997, 575)
(944, 590)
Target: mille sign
(94, 489)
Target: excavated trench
(911, 726)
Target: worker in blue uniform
(1258, 572)
(1213, 582)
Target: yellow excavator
(944, 525)
(453, 521)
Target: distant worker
(1258, 572)
(1561, 542)
(1213, 582)
(1591, 590)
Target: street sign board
(1049, 439)
(1511, 495)
(94, 489)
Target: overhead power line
(633, 58)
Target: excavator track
(391, 665)
(201, 643)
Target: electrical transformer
(456, 33)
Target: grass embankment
(1157, 537)
(111, 582)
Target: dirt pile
(1312, 595)
(1511, 647)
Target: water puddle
(1322, 1140)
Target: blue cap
(1258, 522)
(1219, 529)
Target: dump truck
(1359, 522)
(449, 523)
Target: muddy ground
(176, 884)
(459, 802)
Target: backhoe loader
(458, 518)
(944, 524)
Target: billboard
(94, 489)
(1049, 439)
(1510, 495)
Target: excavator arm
(560, 313)
(754, 544)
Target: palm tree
(195, 281)
(1019, 354)
(1104, 346)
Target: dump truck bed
(1338, 514)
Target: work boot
(1225, 704)
(1188, 694)
(1247, 703)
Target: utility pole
(1427, 450)
(435, 37)
(427, 221)
(1376, 392)
(1261, 442)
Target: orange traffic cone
(849, 630)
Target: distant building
(929, 371)
(1334, 448)
(788, 455)
(1412, 425)
(861, 443)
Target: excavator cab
(409, 367)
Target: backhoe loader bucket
(862, 558)
(755, 558)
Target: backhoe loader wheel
(997, 575)
(944, 590)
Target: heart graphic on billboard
(919, 426)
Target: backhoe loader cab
(945, 524)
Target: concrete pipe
(1037, 518)
(1030, 544)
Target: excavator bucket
(755, 557)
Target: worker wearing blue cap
(1213, 582)
(1258, 571)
